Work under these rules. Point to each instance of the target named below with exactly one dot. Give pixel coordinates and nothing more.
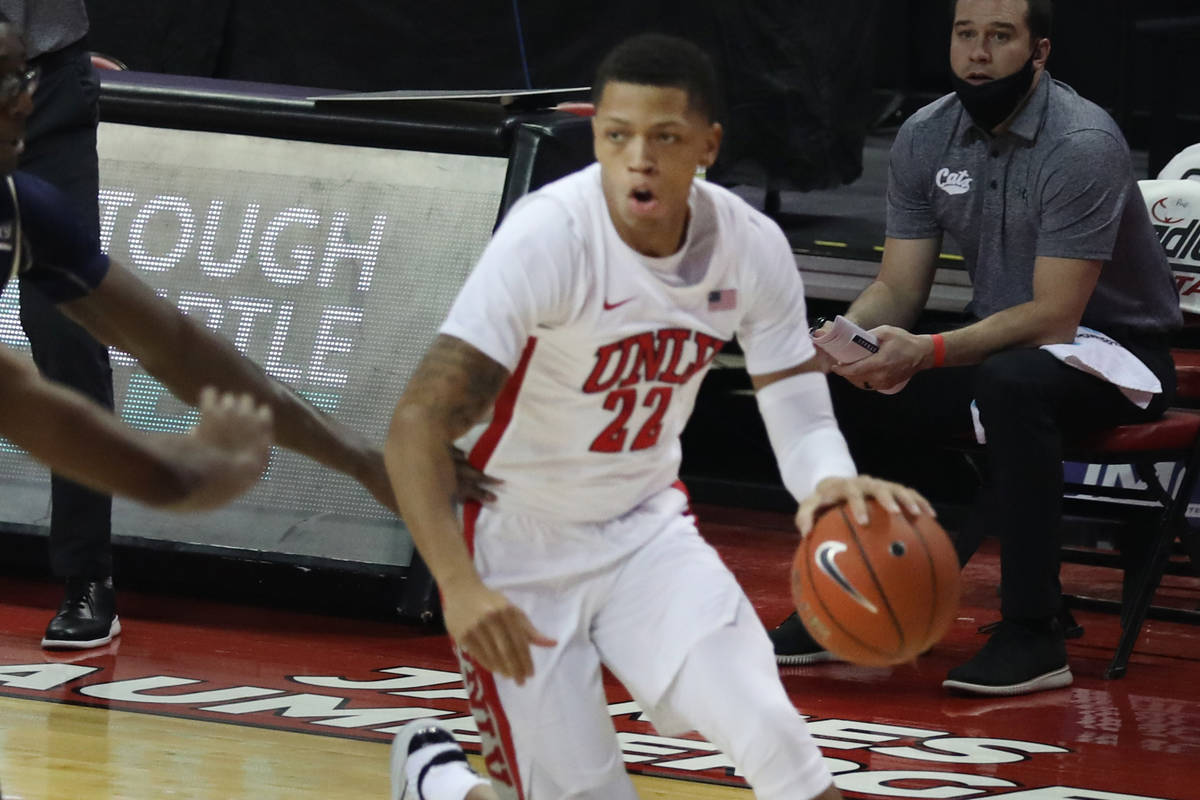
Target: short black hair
(656, 59)
(1039, 15)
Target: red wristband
(939, 349)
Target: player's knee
(773, 759)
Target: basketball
(876, 594)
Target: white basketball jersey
(606, 353)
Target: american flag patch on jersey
(722, 300)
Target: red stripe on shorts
(495, 734)
(499, 752)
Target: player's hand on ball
(854, 492)
(493, 631)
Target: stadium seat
(1157, 536)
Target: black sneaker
(1017, 659)
(793, 645)
(86, 618)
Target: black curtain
(797, 72)
(182, 37)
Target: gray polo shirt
(1058, 183)
(49, 25)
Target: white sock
(449, 780)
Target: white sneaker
(419, 746)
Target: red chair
(1155, 536)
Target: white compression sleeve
(804, 433)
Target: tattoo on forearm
(463, 380)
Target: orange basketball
(876, 594)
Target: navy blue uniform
(43, 242)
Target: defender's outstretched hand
(227, 451)
(854, 492)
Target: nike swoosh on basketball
(610, 306)
(825, 555)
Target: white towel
(1097, 354)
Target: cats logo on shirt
(952, 182)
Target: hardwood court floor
(214, 701)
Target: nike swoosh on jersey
(610, 306)
(825, 555)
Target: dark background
(806, 81)
(814, 63)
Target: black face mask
(991, 103)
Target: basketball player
(579, 341)
(227, 450)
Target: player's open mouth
(978, 78)
(643, 201)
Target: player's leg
(728, 690)
(552, 736)
(1027, 401)
(80, 518)
(679, 633)
(61, 149)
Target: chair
(1151, 525)
(1153, 535)
(1175, 439)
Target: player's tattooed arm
(457, 383)
(452, 389)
